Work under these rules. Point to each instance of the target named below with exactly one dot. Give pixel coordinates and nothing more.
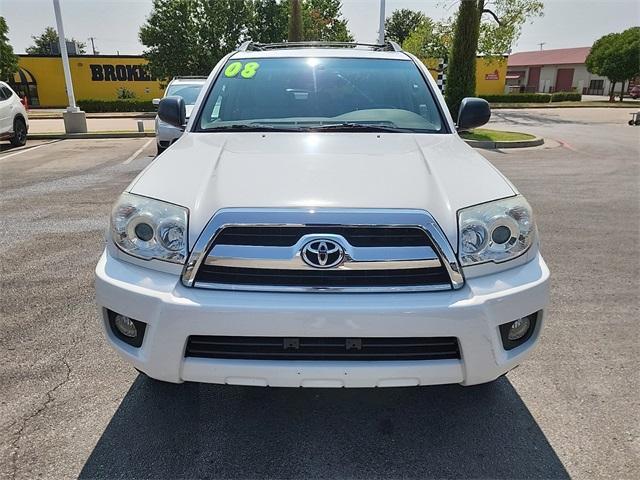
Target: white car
(320, 223)
(188, 88)
(14, 122)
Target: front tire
(19, 138)
(160, 149)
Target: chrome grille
(388, 250)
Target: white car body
(167, 134)
(343, 178)
(14, 121)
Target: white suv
(320, 223)
(186, 87)
(14, 123)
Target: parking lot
(70, 407)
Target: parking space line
(137, 152)
(29, 149)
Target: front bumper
(174, 312)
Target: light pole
(75, 120)
(381, 27)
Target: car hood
(209, 171)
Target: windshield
(189, 92)
(356, 94)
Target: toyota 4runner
(320, 223)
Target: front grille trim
(326, 218)
(323, 348)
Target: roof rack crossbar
(255, 46)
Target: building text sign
(119, 73)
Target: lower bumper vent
(317, 348)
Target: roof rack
(250, 46)
(183, 77)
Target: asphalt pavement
(70, 407)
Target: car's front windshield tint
(320, 93)
(189, 92)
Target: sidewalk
(37, 125)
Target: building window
(596, 87)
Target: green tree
(461, 75)
(8, 60)
(402, 23)
(501, 24)
(183, 37)
(269, 22)
(323, 21)
(430, 40)
(617, 57)
(47, 42)
(480, 29)
(296, 29)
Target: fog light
(519, 328)
(126, 329)
(518, 331)
(125, 326)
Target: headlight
(496, 231)
(148, 228)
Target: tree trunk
(295, 22)
(461, 75)
(612, 93)
(622, 89)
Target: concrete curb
(515, 106)
(68, 136)
(535, 142)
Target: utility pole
(542, 44)
(93, 46)
(75, 120)
(381, 26)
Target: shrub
(566, 97)
(129, 105)
(125, 93)
(518, 98)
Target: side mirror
(172, 111)
(155, 101)
(474, 112)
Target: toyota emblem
(322, 253)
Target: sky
(115, 23)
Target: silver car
(186, 87)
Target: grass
(486, 135)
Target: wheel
(638, 122)
(632, 123)
(19, 133)
(160, 149)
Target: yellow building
(490, 74)
(41, 78)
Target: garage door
(564, 80)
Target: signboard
(495, 75)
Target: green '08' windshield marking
(249, 71)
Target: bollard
(140, 126)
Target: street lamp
(75, 120)
(381, 27)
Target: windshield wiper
(251, 127)
(360, 127)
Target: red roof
(559, 56)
